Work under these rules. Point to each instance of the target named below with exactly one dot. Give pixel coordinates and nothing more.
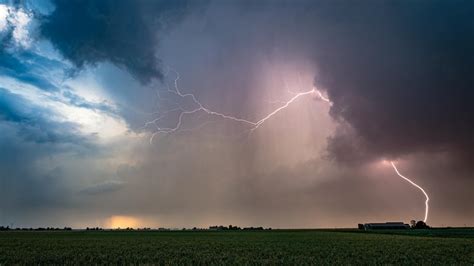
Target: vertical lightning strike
(417, 186)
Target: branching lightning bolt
(417, 186)
(199, 107)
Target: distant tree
(412, 223)
(421, 225)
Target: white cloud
(21, 21)
(18, 21)
(3, 17)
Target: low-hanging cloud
(400, 75)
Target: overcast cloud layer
(79, 80)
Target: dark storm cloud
(122, 32)
(401, 74)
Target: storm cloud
(401, 74)
(122, 32)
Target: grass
(257, 247)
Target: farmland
(437, 246)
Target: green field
(441, 247)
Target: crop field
(440, 247)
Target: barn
(387, 225)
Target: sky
(139, 113)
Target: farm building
(387, 225)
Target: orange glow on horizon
(119, 221)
